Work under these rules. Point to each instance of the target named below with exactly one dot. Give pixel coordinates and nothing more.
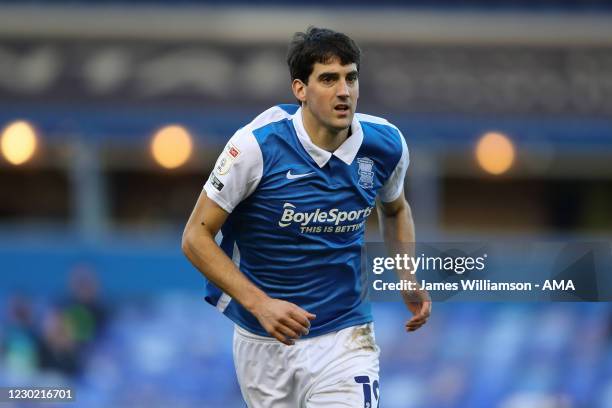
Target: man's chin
(340, 124)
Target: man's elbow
(188, 241)
(193, 239)
(185, 242)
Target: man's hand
(419, 303)
(283, 320)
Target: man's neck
(321, 136)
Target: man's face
(331, 94)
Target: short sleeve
(394, 186)
(237, 171)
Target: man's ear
(299, 90)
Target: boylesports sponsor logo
(333, 216)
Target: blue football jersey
(298, 212)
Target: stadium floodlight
(495, 153)
(171, 146)
(18, 142)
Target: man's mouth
(342, 107)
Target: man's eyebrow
(328, 75)
(336, 75)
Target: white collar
(345, 152)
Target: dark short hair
(319, 45)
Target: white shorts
(338, 369)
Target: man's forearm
(398, 232)
(204, 253)
(397, 228)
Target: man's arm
(284, 321)
(397, 227)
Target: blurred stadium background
(114, 112)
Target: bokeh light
(18, 142)
(171, 146)
(495, 153)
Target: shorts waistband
(244, 333)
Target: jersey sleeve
(237, 171)
(394, 185)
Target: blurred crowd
(171, 349)
(54, 337)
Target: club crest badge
(366, 173)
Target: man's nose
(343, 89)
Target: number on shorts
(367, 390)
(376, 388)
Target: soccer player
(278, 230)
